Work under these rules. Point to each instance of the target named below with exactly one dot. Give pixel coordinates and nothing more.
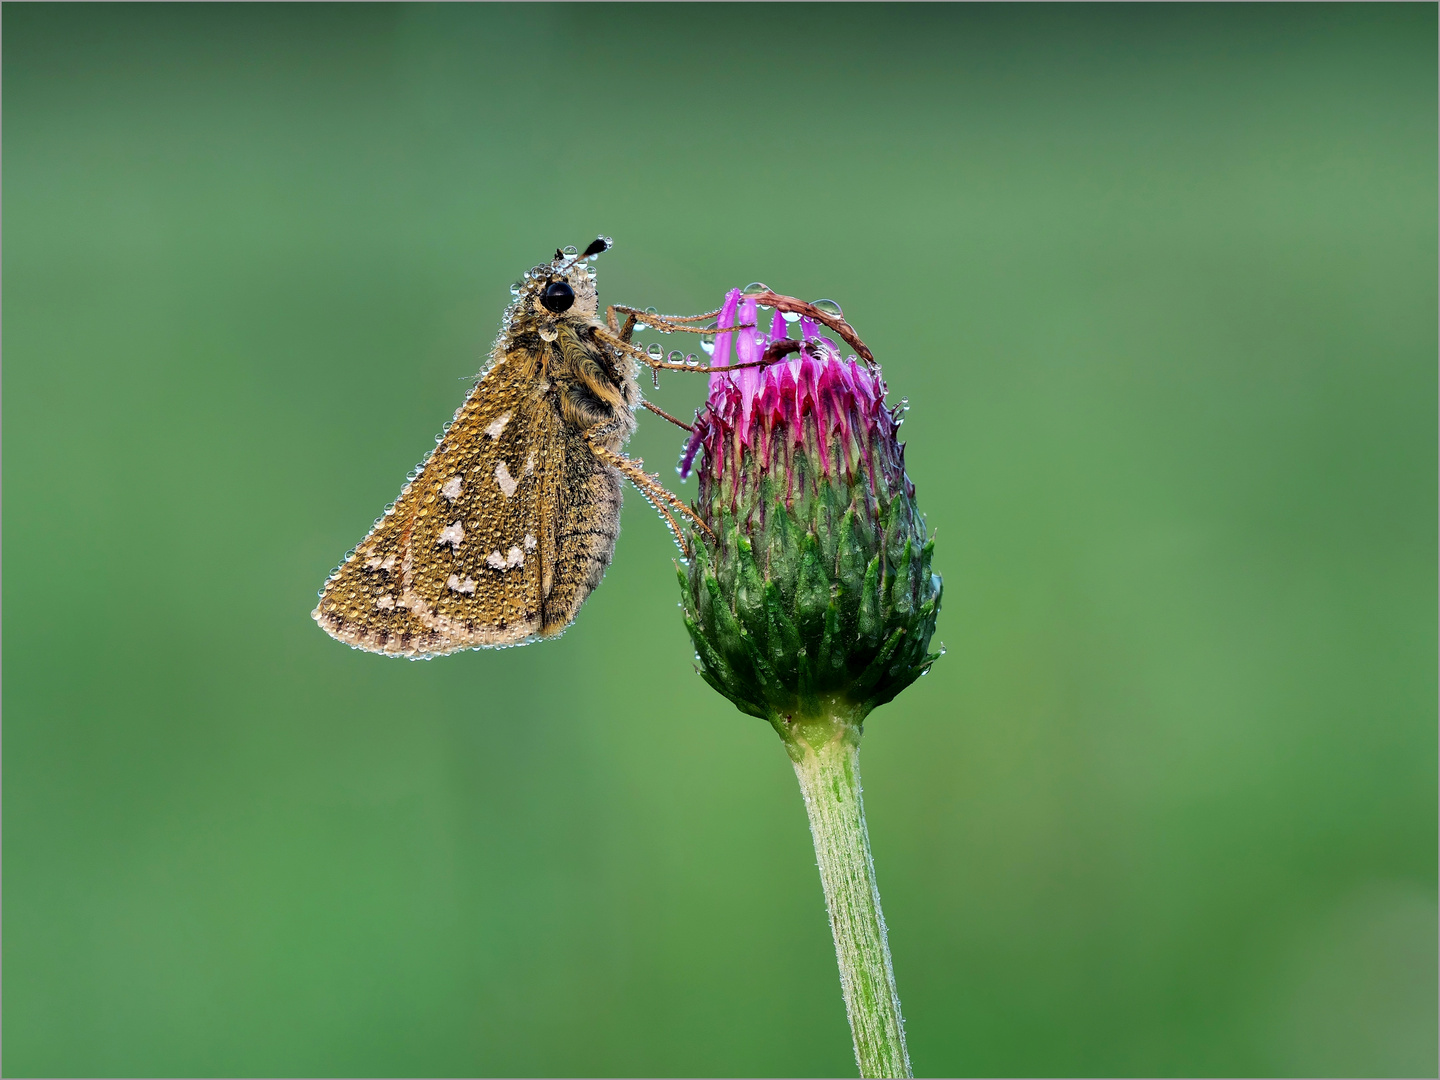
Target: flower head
(816, 594)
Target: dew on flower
(790, 316)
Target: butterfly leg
(661, 412)
(656, 493)
(632, 350)
(624, 333)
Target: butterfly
(511, 521)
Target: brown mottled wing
(465, 557)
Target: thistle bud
(815, 597)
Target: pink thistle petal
(721, 356)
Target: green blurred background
(1161, 286)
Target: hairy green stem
(826, 754)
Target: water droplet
(829, 307)
(608, 242)
(790, 316)
(707, 342)
(942, 648)
(571, 249)
(515, 288)
(654, 350)
(692, 360)
(755, 288)
(651, 311)
(676, 357)
(549, 333)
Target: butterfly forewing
(464, 557)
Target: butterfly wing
(466, 555)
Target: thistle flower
(817, 597)
(815, 602)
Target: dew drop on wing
(829, 307)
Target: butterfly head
(562, 290)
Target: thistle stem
(829, 773)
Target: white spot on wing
(375, 562)
(453, 534)
(530, 463)
(451, 488)
(498, 426)
(509, 561)
(530, 542)
(385, 603)
(456, 585)
(507, 483)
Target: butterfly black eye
(558, 297)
